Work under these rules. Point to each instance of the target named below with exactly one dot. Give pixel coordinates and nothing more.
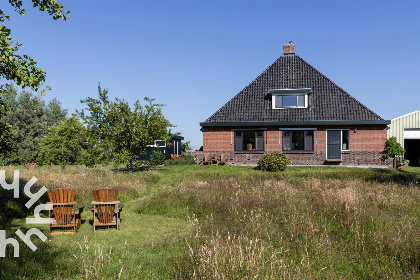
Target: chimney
(289, 48)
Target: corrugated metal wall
(398, 125)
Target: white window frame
(341, 139)
(290, 107)
(342, 142)
(155, 145)
(289, 92)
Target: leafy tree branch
(23, 69)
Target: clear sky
(194, 56)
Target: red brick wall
(367, 143)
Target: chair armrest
(92, 206)
(63, 203)
(104, 202)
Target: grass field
(193, 222)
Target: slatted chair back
(106, 211)
(62, 213)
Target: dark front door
(334, 144)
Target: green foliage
(31, 119)
(393, 148)
(64, 144)
(201, 148)
(185, 146)
(120, 133)
(273, 162)
(6, 131)
(23, 69)
(157, 158)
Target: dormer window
(290, 98)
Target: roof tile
(328, 102)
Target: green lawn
(228, 222)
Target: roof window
(289, 98)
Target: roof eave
(351, 122)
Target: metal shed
(407, 131)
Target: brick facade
(367, 143)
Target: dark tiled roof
(328, 102)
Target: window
(290, 101)
(345, 136)
(158, 143)
(289, 98)
(249, 140)
(298, 140)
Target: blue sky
(194, 56)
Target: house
(407, 131)
(174, 147)
(293, 108)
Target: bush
(393, 148)
(157, 158)
(273, 161)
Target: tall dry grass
(290, 229)
(93, 260)
(244, 224)
(83, 180)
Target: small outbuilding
(407, 131)
(175, 145)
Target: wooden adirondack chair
(106, 208)
(223, 159)
(64, 209)
(206, 159)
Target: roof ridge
(405, 115)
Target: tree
(23, 69)
(31, 119)
(120, 133)
(185, 146)
(6, 132)
(393, 149)
(64, 144)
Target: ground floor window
(298, 140)
(345, 136)
(249, 140)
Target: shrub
(273, 161)
(157, 158)
(393, 148)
